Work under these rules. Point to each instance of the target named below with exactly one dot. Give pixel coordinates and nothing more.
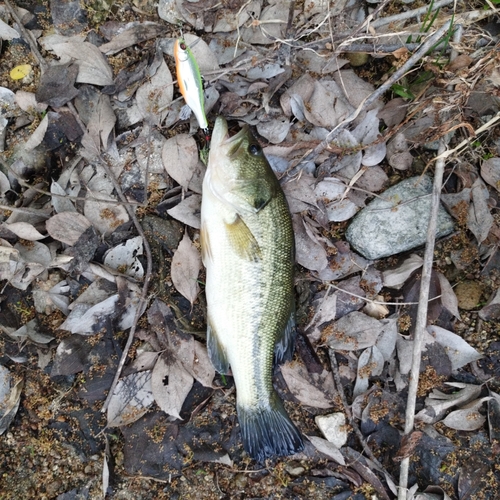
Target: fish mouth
(221, 140)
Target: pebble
(333, 428)
(385, 228)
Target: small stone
(333, 428)
(468, 294)
(385, 228)
(295, 471)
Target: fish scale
(247, 248)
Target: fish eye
(183, 46)
(254, 149)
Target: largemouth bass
(248, 251)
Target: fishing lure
(190, 83)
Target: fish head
(238, 170)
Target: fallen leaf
(448, 297)
(327, 448)
(23, 230)
(154, 96)
(457, 349)
(186, 266)
(10, 397)
(468, 417)
(353, 332)
(479, 219)
(123, 258)
(180, 158)
(304, 388)
(438, 402)
(93, 68)
(171, 384)
(370, 363)
(188, 211)
(395, 278)
(67, 227)
(309, 253)
(490, 172)
(131, 399)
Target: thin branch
(403, 16)
(28, 36)
(350, 417)
(421, 316)
(419, 54)
(147, 278)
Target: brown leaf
(408, 444)
(490, 172)
(188, 211)
(307, 390)
(186, 265)
(67, 227)
(171, 384)
(131, 399)
(24, 230)
(180, 158)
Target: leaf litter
(74, 262)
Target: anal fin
(283, 350)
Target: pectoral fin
(206, 252)
(216, 351)
(242, 240)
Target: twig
(145, 287)
(371, 301)
(421, 316)
(352, 421)
(28, 36)
(424, 48)
(371, 48)
(403, 16)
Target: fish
(190, 82)
(247, 246)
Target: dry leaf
(154, 96)
(490, 172)
(24, 230)
(309, 253)
(188, 211)
(186, 265)
(93, 67)
(448, 297)
(438, 402)
(395, 278)
(468, 417)
(104, 216)
(479, 219)
(131, 399)
(300, 384)
(327, 448)
(123, 258)
(370, 363)
(354, 331)
(457, 349)
(180, 159)
(67, 227)
(171, 384)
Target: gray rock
(386, 228)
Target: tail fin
(268, 431)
